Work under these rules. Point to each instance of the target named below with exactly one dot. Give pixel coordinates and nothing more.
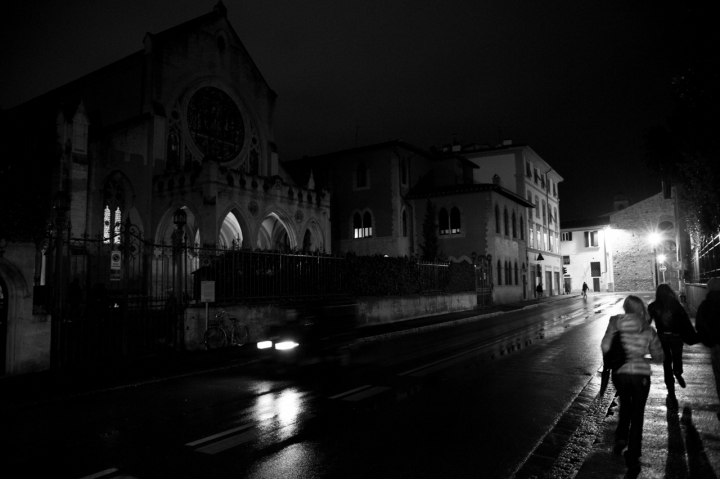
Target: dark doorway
(4, 299)
(596, 285)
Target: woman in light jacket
(632, 379)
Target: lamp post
(654, 239)
(179, 219)
(661, 261)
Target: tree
(430, 246)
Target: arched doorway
(231, 235)
(273, 234)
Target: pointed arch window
(497, 219)
(514, 225)
(404, 223)
(499, 268)
(444, 222)
(507, 226)
(516, 274)
(508, 273)
(454, 221)
(522, 228)
(113, 209)
(367, 224)
(357, 226)
(403, 172)
(537, 207)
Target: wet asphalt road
(405, 411)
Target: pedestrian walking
(632, 379)
(539, 290)
(674, 328)
(707, 322)
(584, 289)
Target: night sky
(580, 82)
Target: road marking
(349, 392)
(220, 434)
(441, 361)
(225, 444)
(366, 393)
(106, 472)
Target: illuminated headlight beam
(284, 345)
(264, 344)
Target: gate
(113, 297)
(483, 281)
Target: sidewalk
(681, 439)
(53, 385)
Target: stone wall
(372, 310)
(632, 253)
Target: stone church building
(182, 125)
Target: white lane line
(220, 434)
(436, 362)
(225, 444)
(106, 472)
(367, 393)
(349, 392)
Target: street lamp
(661, 261)
(654, 239)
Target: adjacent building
(519, 169)
(633, 248)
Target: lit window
(367, 225)
(454, 221)
(357, 225)
(444, 221)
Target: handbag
(613, 359)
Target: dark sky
(580, 82)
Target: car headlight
(284, 345)
(264, 344)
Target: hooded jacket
(638, 339)
(672, 320)
(707, 319)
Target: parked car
(312, 332)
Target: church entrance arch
(232, 231)
(274, 234)
(313, 239)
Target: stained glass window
(215, 123)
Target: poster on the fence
(207, 291)
(115, 258)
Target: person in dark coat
(584, 289)
(707, 322)
(674, 328)
(632, 379)
(538, 290)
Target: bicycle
(216, 337)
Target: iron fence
(706, 263)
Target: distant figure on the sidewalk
(632, 379)
(538, 290)
(674, 328)
(584, 289)
(707, 322)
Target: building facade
(521, 170)
(380, 196)
(182, 125)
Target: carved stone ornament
(253, 208)
(299, 216)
